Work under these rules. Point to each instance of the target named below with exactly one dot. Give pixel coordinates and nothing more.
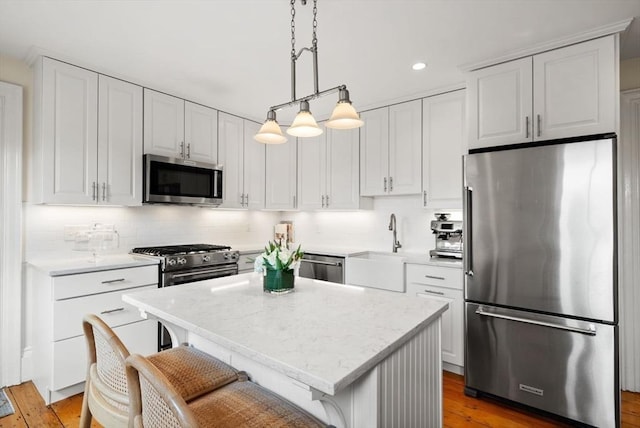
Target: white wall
(370, 228)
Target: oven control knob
(182, 261)
(206, 258)
(171, 262)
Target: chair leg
(85, 414)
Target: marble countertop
(324, 335)
(75, 265)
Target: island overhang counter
(350, 355)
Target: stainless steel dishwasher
(323, 267)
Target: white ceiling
(235, 54)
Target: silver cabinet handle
(591, 331)
(94, 190)
(435, 277)
(327, 201)
(110, 311)
(539, 127)
(467, 209)
(113, 281)
(189, 151)
(322, 201)
(390, 184)
(320, 262)
(424, 198)
(246, 200)
(385, 184)
(181, 149)
(439, 293)
(104, 191)
(526, 127)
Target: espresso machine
(448, 237)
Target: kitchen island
(353, 357)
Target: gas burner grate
(172, 250)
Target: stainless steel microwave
(181, 181)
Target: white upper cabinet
(443, 144)
(405, 148)
(243, 162)
(328, 171)
(163, 124)
(200, 132)
(280, 176)
(254, 168)
(312, 172)
(575, 90)
(174, 127)
(343, 172)
(500, 103)
(119, 142)
(88, 137)
(391, 150)
(561, 93)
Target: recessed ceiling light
(419, 66)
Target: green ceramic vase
(278, 281)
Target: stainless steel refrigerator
(541, 308)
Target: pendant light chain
(293, 28)
(314, 40)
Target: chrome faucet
(392, 227)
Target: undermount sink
(376, 269)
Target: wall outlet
(72, 230)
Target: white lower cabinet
(60, 303)
(443, 284)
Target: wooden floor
(459, 410)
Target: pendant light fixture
(344, 116)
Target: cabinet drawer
(70, 355)
(434, 275)
(67, 314)
(84, 284)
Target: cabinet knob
(390, 184)
(539, 126)
(104, 192)
(93, 188)
(189, 151)
(385, 184)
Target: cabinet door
(200, 133)
(443, 144)
(452, 322)
(312, 173)
(500, 104)
(281, 176)
(575, 90)
(343, 176)
(231, 157)
(405, 148)
(69, 133)
(254, 167)
(374, 152)
(119, 142)
(163, 124)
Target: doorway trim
(11, 323)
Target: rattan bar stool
(242, 404)
(106, 398)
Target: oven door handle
(320, 262)
(203, 272)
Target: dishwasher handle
(320, 262)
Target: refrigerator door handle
(468, 258)
(591, 331)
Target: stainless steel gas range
(181, 264)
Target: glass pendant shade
(344, 116)
(270, 132)
(304, 125)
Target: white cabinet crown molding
(615, 27)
